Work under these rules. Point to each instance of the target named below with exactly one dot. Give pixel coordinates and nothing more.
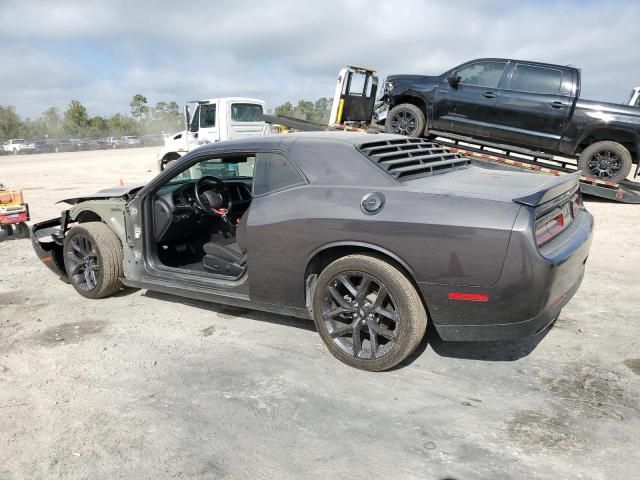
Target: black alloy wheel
(404, 123)
(606, 160)
(83, 263)
(367, 312)
(360, 315)
(604, 165)
(93, 259)
(406, 119)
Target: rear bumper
(46, 239)
(533, 287)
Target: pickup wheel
(368, 314)
(93, 259)
(606, 160)
(405, 119)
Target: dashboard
(176, 216)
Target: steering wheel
(212, 201)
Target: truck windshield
(246, 112)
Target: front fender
(110, 212)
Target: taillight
(576, 202)
(552, 223)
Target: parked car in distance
(519, 103)
(130, 141)
(152, 140)
(41, 146)
(369, 235)
(62, 145)
(18, 145)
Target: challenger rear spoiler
(555, 187)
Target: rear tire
(381, 317)
(605, 160)
(405, 119)
(93, 259)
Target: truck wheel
(405, 119)
(20, 230)
(367, 312)
(93, 259)
(605, 161)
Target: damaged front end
(47, 239)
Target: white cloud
(103, 52)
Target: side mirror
(454, 79)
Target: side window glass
(274, 172)
(208, 116)
(527, 78)
(482, 74)
(194, 120)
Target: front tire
(93, 259)
(405, 119)
(368, 313)
(606, 160)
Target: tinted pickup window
(482, 74)
(527, 78)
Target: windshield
(222, 168)
(246, 112)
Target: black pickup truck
(536, 106)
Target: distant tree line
(317, 111)
(75, 122)
(163, 117)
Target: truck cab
(214, 120)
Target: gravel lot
(146, 385)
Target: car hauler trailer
(355, 109)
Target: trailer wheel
(405, 119)
(605, 161)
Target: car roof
(286, 141)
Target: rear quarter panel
(441, 239)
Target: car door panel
(534, 106)
(467, 107)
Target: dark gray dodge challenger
(369, 235)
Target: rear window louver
(408, 158)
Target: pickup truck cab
(18, 145)
(214, 120)
(531, 105)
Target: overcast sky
(104, 52)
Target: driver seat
(228, 256)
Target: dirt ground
(145, 385)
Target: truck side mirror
(453, 79)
